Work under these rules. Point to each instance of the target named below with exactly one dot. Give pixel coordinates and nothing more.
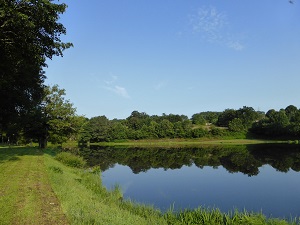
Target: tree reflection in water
(246, 159)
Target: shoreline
(188, 142)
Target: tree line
(239, 123)
(55, 120)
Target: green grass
(85, 201)
(26, 196)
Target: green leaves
(29, 33)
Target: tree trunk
(43, 142)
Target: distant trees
(205, 117)
(282, 123)
(140, 125)
(238, 120)
(230, 122)
(98, 129)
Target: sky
(178, 56)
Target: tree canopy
(29, 34)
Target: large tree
(29, 34)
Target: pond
(259, 178)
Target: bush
(199, 132)
(70, 159)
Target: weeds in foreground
(216, 217)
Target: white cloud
(159, 85)
(236, 45)
(208, 22)
(110, 85)
(112, 80)
(214, 27)
(121, 91)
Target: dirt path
(26, 196)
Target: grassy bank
(29, 178)
(85, 201)
(187, 142)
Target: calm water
(256, 178)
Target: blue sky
(179, 56)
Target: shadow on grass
(13, 153)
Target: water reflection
(227, 177)
(244, 159)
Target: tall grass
(70, 160)
(216, 217)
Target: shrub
(70, 159)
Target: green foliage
(226, 117)
(205, 117)
(60, 115)
(198, 119)
(282, 123)
(232, 124)
(215, 131)
(29, 34)
(236, 125)
(54, 119)
(199, 132)
(244, 118)
(97, 129)
(70, 159)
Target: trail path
(26, 196)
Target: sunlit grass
(85, 201)
(26, 196)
